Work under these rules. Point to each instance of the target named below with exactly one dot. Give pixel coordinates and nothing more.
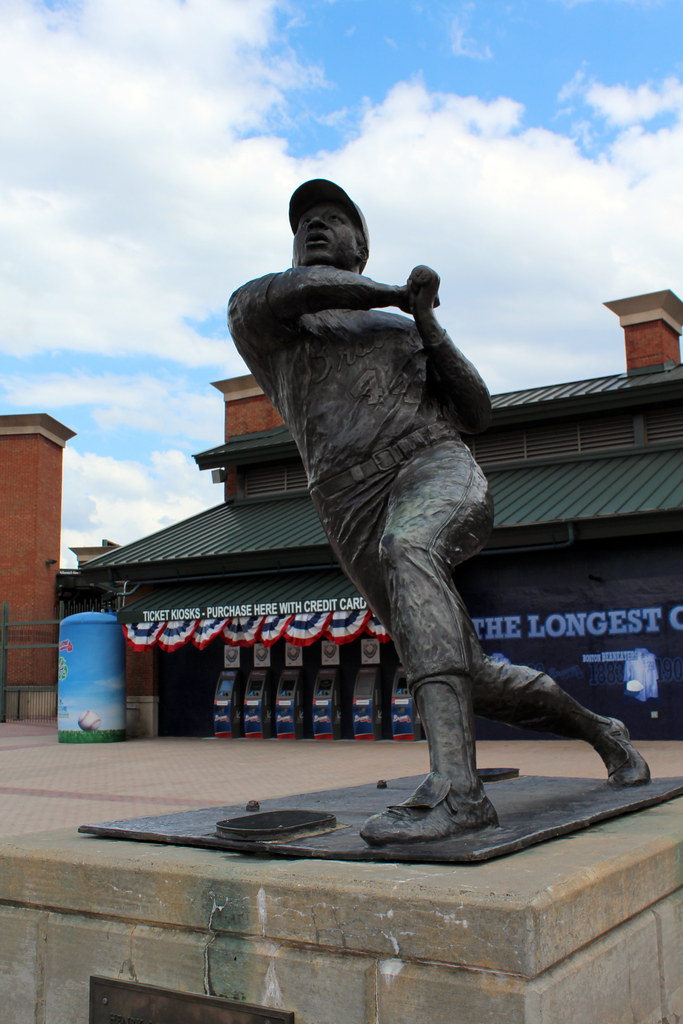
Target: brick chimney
(652, 328)
(247, 410)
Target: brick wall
(30, 511)
(142, 666)
(31, 448)
(141, 673)
(652, 343)
(247, 411)
(230, 490)
(249, 416)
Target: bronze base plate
(530, 810)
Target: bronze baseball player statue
(376, 403)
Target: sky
(529, 151)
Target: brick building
(31, 449)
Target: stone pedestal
(586, 928)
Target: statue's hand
(423, 290)
(404, 298)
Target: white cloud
(162, 405)
(529, 234)
(124, 169)
(462, 42)
(124, 500)
(576, 86)
(622, 106)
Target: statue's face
(327, 236)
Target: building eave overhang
(648, 389)
(209, 565)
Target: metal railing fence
(28, 669)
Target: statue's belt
(386, 458)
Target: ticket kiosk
(327, 705)
(258, 711)
(227, 704)
(289, 709)
(405, 720)
(367, 704)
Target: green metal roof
(609, 486)
(278, 523)
(617, 382)
(209, 595)
(284, 531)
(278, 443)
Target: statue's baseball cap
(320, 190)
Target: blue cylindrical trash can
(92, 679)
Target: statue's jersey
(346, 382)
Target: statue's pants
(398, 535)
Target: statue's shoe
(625, 765)
(428, 815)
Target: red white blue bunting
(306, 629)
(176, 634)
(244, 631)
(273, 627)
(346, 626)
(206, 631)
(376, 629)
(142, 635)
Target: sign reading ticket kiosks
(258, 712)
(327, 705)
(405, 720)
(227, 704)
(367, 704)
(289, 709)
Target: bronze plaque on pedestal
(126, 1002)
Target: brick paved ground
(48, 785)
